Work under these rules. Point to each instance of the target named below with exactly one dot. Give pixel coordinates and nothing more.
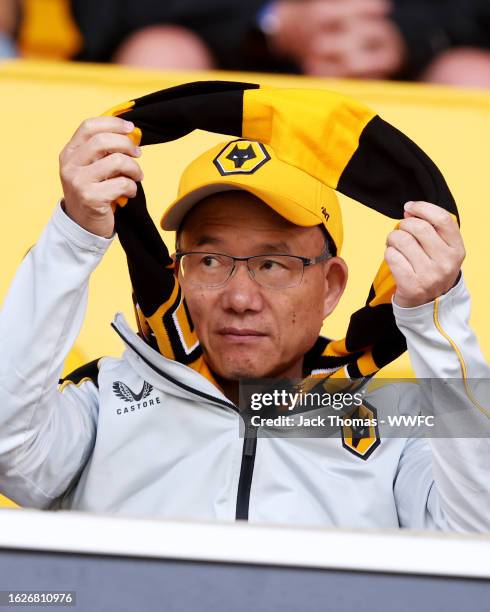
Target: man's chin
(240, 373)
(236, 370)
(251, 362)
(240, 361)
(240, 368)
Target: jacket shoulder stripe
(89, 371)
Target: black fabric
(147, 256)
(214, 106)
(328, 362)
(89, 370)
(180, 354)
(388, 170)
(365, 325)
(151, 270)
(390, 343)
(353, 371)
(315, 360)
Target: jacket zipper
(246, 472)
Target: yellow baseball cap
(254, 167)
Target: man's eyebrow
(263, 247)
(274, 247)
(206, 239)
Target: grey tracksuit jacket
(151, 437)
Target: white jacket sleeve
(46, 435)
(444, 481)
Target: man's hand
(97, 167)
(425, 254)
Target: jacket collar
(176, 378)
(182, 381)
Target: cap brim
(289, 209)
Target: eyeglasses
(212, 270)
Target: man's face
(247, 330)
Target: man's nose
(241, 292)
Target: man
(147, 435)
(440, 41)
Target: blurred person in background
(180, 34)
(440, 41)
(8, 25)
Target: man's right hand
(97, 167)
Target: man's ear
(176, 264)
(336, 275)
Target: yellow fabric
(300, 143)
(135, 135)
(5, 502)
(119, 109)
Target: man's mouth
(243, 334)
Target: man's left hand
(424, 254)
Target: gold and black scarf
(333, 138)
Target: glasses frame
(306, 261)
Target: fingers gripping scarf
(335, 139)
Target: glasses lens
(206, 269)
(277, 271)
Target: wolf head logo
(240, 156)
